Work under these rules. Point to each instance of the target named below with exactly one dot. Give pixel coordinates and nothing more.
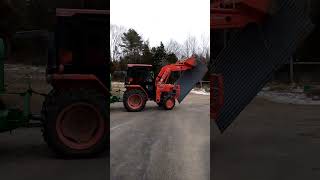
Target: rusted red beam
(237, 14)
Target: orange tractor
(75, 112)
(141, 85)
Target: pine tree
(159, 57)
(132, 46)
(172, 58)
(146, 54)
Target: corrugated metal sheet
(249, 59)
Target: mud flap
(190, 78)
(248, 61)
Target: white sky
(162, 20)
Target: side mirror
(2, 48)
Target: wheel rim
(135, 101)
(170, 103)
(80, 126)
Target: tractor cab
(79, 44)
(142, 75)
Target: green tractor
(74, 115)
(113, 98)
(11, 118)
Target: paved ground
(25, 156)
(269, 141)
(158, 144)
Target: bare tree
(174, 47)
(116, 32)
(190, 46)
(204, 47)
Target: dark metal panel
(248, 61)
(190, 78)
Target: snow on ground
(288, 98)
(200, 92)
(24, 68)
(296, 96)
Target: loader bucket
(190, 78)
(250, 58)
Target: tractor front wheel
(169, 103)
(134, 100)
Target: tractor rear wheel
(75, 123)
(134, 100)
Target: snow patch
(23, 68)
(288, 98)
(200, 92)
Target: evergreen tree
(172, 58)
(146, 54)
(132, 46)
(159, 57)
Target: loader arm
(179, 66)
(165, 72)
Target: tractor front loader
(141, 85)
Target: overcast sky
(162, 20)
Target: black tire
(171, 106)
(48, 101)
(126, 97)
(57, 102)
(160, 104)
